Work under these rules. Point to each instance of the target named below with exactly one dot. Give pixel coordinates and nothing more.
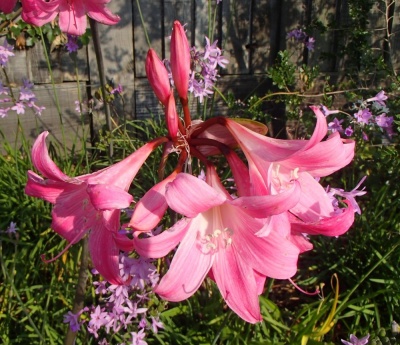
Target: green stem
(143, 24)
(80, 289)
(54, 90)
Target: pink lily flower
(180, 60)
(88, 204)
(274, 163)
(7, 6)
(218, 239)
(72, 13)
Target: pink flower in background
(87, 204)
(72, 13)
(7, 6)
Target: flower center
(219, 239)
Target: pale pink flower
(72, 13)
(218, 238)
(88, 204)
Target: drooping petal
(160, 245)
(97, 11)
(237, 284)
(104, 251)
(331, 226)
(42, 161)
(44, 189)
(108, 197)
(188, 269)
(190, 195)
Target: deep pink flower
(72, 13)
(7, 6)
(219, 238)
(87, 204)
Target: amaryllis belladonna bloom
(88, 204)
(7, 6)
(218, 238)
(72, 13)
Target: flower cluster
(300, 36)
(121, 306)
(236, 240)
(368, 114)
(26, 98)
(204, 69)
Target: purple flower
(351, 196)
(328, 112)
(3, 90)
(383, 121)
(73, 320)
(72, 44)
(5, 53)
(19, 107)
(355, 341)
(156, 324)
(310, 43)
(98, 318)
(4, 112)
(117, 90)
(12, 229)
(380, 98)
(348, 131)
(363, 116)
(365, 136)
(137, 338)
(335, 125)
(297, 34)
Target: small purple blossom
(380, 98)
(351, 196)
(310, 43)
(19, 107)
(73, 320)
(72, 43)
(156, 324)
(137, 338)
(335, 125)
(297, 34)
(363, 116)
(12, 229)
(349, 131)
(98, 318)
(355, 341)
(5, 52)
(383, 121)
(117, 90)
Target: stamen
(316, 292)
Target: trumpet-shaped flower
(72, 13)
(87, 204)
(218, 238)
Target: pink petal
(267, 205)
(44, 189)
(72, 20)
(190, 196)
(160, 245)
(97, 11)
(237, 284)
(108, 197)
(321, 128)
(151, 208)
(314, 202)
(42, 161)
(332, 226)
(123, 242)
(323, 158)
(188, 269)
(105, 253)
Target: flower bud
(180, 60)
(171, 116)
(158, 76)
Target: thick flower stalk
(88, 204)
(72, 13)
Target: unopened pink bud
(7, 6)
(171, 117)
(157, 75)
(180, 59)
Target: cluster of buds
(237, 240)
